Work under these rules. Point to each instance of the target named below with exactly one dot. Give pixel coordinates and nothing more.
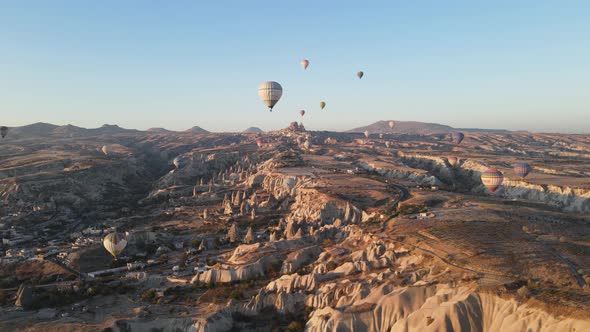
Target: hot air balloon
(381, 135)
(391, 124)
(492, 179)
(360, 74)
(114, 243)
(457, 137)
(366, 134)
(270, 92)
(302, 112)
(304, 64)
(322, 105)
(289, 183)
(105, 150)
(452, 160)
(387, 144)
(306, 145)
(522, 169)
(179, 162)
(259, 142)
(3, 131)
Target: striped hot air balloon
(114, 243)
(452, 160)
(270, 92)
(522, 169)
(457, 137)
(492, 179)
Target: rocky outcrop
(233, 235)
(229, 273)
(401, 172)
(435, 308)
(24, 297)
(299, 258)
(467, 177)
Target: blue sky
(175, 64)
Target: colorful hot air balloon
(114, 243)
(492, 179)
(360, 74)
(457, 137)
(259, 142)
(452, 160)
(3, 131)
(366, 134)
(391, 124)
(522, 169)
(302, 112)
(270, 92)
(304, 64)
(322, 105)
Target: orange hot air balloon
(452, 160)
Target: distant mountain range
(47, 129)
(415, 127)
(41, 129)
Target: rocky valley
(293, 230)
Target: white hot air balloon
(366, 134)
(114, 243)
(289, 183)
(270, 92)
(179, 162)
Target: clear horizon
(503, 65)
